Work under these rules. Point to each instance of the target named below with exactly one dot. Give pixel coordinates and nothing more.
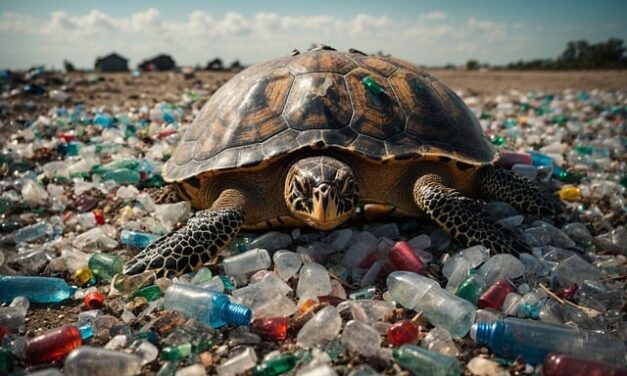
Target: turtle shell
(381, 108)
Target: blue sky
(425, 32)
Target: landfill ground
(120, 92)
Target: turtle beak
(325, 207)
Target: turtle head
(321, 191)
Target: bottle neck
(237, 314)
(484, 333)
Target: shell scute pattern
(317, 99)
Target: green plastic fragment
(498, 140)
(228, 283)
(334, 349)
(373, 86)
(276, 366)
(421, 361)
(6, 360)
(151, 293)
(176, 353)
(203, 345)
(168, 369)
(363, 293)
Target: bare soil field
(121, 89)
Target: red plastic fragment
(100, 220)
(402, 332)
(272, 327)
(568, 292)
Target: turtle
(305, 139)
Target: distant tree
(215, 64)
(68, 66)
(236, 65)
(582, 55)
(472, 64)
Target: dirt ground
(121, 89)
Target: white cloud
(494, 31)
(436, 15)
(200, 36)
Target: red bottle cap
(494, 296)
(402, 256)
(94, 299)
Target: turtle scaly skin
(305, 139)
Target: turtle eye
(346, 184)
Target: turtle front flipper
(459, 217)
(191, 246)
(518, 191)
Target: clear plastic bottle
(439, 306)
(533, 340)
(247, 262)
(211, 307)
(87, 360)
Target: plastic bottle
(35, 289)
(314, 280)
(513, 337)
(565, 365)
(361, 337)
(14, 316)
(321, 329)
(104, 266)
(471, 288)
(87, 360)
(439, 306)
(247, 262)
(137, 239)
(239, 363)
(420, 361)
(53, 344)
(210, 307)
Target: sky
(428, 33)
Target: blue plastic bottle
(533, 340)
(35, 289)
(211, 307)
(539, 159)
(137, 239)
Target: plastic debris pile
(81, 193)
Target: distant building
(111, 63)
(158, 63)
